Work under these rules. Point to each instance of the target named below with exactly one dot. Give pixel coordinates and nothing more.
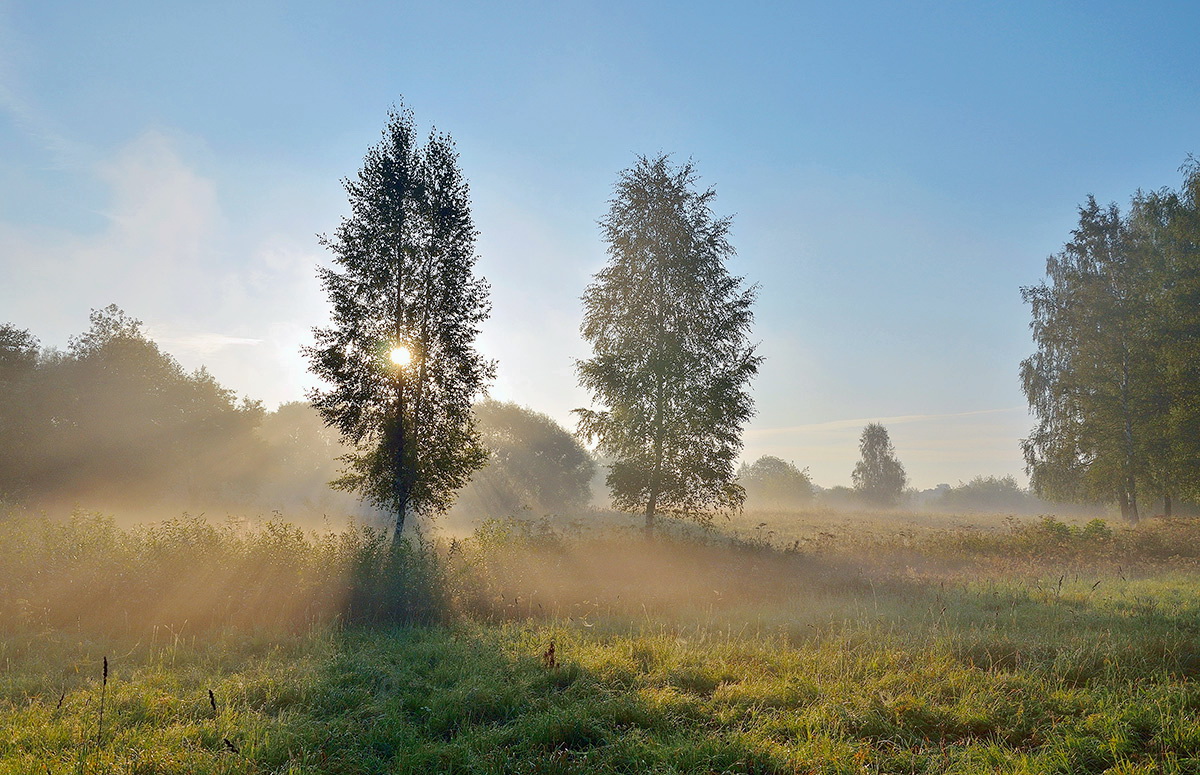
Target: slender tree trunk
(656, 471)
(1130, 495)
(651, 504)
(1130, 507)
(401, 473)
(1168, 502)
(655, 476)
(398, 534)
(401, 448)
(1128, 501)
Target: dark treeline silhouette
(115, 422)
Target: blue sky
(896, 173)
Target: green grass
(1076, 654)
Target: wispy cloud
(25, 114)
(840, 425)
(239, 302)
(203, 343)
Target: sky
(895, 172)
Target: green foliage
(1176, 451)
(773, 483)
(1114, 382)
(878, 476)
(1090, 379)
(533, 463)
(405, 258)
(668, 327)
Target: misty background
(115, 422)
(894, 181)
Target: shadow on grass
(474, 700)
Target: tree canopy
(668, 326)
(399, 356)
(119, 420)
(533, 463)
(1114, 381)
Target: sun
(401, 355)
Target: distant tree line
(987, 494)
(115, 421)
(1115, 380)
(116, 415)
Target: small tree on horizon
(878, 477)
(400, 353)
(668, 325)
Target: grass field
(1013, 647)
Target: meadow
(776, 643)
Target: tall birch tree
(668, 326)
(400, 355)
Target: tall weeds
(87, 573)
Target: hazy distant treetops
(878, 477)
(668, 327)
(115, 414)
(1115, 379)
(303, 458)
(533, 464)
(774, 483)
(404, 278)
(19, 425)
(988, 494)
(18, 350)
